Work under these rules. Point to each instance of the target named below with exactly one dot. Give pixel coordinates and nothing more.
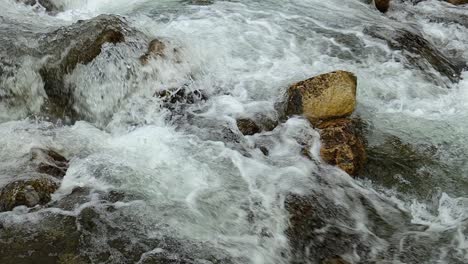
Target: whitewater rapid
(186, 182)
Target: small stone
(156, 48)
(264, 150)
(248, 127)
(382, 5)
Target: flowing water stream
(183, 180)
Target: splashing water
(187, 183)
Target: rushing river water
(184, 181)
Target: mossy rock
(52, 240)
(30, 192)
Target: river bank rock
(324, 97)
(342, 145)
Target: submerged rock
(67, 47)
(29, 193)
(182, 95)
(247, 126)
(49, 162)
(419, 52)
(315, 237)
(342, 145)
(98, 234)
(336, 260)
(53, 239)
(48, 5)
(156, 48)
(43, 168)
(323, 97)
(251, 126)
(400, 165)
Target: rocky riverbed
(299, 131)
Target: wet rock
(382, 5)
(419, 52)
(342, 145)
(48, 5)
(77, 197)
(200, 2)
(49, 162)
(257, 123)
(323, 97)
(401, 166)
(29, 193)
(336, 260)
(247, 126)
(313, 234)
(53, 239)
(182, 95)
(458, 2)
(67, 47)
(165, 257)
(156, 49)
(97, 235)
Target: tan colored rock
(342, 145)
(382, 5)
(327, 96)
(155, 48)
